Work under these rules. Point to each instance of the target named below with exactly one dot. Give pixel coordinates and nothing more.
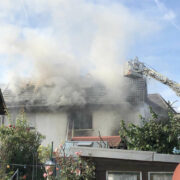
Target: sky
(91, 35)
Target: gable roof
(83, 93)
(93, 93)
(159, 104)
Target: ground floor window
(124, 175)
(160, 175)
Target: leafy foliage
(18, 145)
(153, 135)
(44, 153)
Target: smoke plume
(64, 46)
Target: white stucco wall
(53, 125)
(107, 120)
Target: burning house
(83, 108)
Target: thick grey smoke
(58, 44)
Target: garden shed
(116, 164)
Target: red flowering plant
(70, 167)
(18, 145)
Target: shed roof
(125, 154)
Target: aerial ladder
(136, 69)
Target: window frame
(86, 112)
(107, 172)
(157, 172)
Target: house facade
(100, 112)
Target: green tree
(19, 145)
(153, 135)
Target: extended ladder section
(136, 69)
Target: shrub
(69, 167)
(18, 145)
(153, 135)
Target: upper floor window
(82, 118)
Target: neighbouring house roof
(159, 105)
(125, 154)
(2, 104)
(158, 101)
(113, 141)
